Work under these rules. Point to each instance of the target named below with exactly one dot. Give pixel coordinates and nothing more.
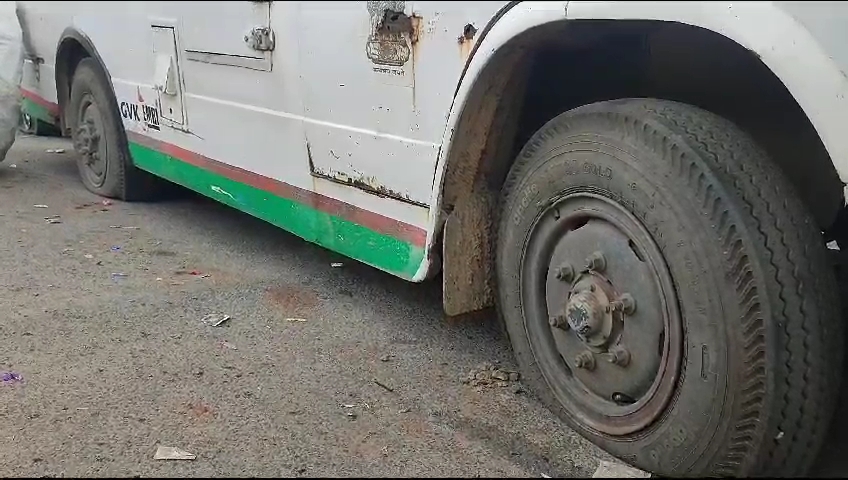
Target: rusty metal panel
(378, 82)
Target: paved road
(115, 365)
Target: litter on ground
(215, 319)
(172, 453)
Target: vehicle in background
(640, 187)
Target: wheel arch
(73, 46)
(476, 150)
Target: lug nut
(596, 262)
(618, 355)
(585, 360)
(625, 304)
(628, 303)
(565, 273)
(559, 321)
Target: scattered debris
(67, 250)
(381, 384)
(386, 357)
(404, 410)
(172, 453)
(490, 375)
(545, 476)
(226, 344)
(55, 150)
(40, 206)
(88, 255)
(195, 273)
(618, 470)
(215, 319)
(12, 165)
(106, 202)
(337, 264)
(295, 319)
(53, 220)
(123, 227)
(116, 248)
(117, 275)
(779, 435)
(11, 378)
(351, 415)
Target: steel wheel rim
(557, 306)
(89, 142)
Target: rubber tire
(123, 180)
(755, 290)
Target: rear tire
(726, 358)
(104, 161)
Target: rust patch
(393, 33)
(391, 40)
(292, 300)
(369, 184)
(466, 41)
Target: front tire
(667, 294)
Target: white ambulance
(643, 190)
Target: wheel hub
(587, 310)
(88, 142)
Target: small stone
(500, 375)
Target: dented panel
(378, 86)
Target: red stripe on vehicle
(368, 219)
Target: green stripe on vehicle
(356, 241)
(37, 112)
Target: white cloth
(11, 71)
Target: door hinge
(260, 38)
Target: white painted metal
(387, 127)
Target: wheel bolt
(628, 303)
(585, 360)
(596, 262)
(559, 321)
(618, 355)
(625, 303)
(565, 273)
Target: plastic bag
(11, 71)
